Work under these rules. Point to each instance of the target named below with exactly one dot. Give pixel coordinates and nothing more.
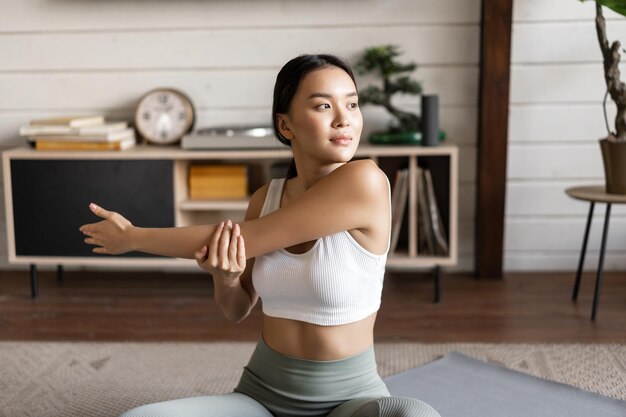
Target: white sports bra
(336, 282)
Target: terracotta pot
(614, 157)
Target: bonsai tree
(382, 61)
(611, 57)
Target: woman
(315, 249)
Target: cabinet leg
(60, 276)
(581, 261)
(605, 232)
(437, 283)
(34, 281)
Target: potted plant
(614, 145)
(405, 127)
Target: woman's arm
(115, 235)
(354, 196)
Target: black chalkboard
(51, 199)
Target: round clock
(164, 115)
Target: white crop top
(336, 282)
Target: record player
(232, 137)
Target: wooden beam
(492, 135)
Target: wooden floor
(157, 306)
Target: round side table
(594, 194)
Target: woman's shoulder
(364, 174)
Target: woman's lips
(341, 140)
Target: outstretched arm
(354, 196)
(115, 235)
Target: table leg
(581, 261)
(437, 283)
(34, 281)
(60, 277)
(605, 232)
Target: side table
(594, 194)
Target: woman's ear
(282, 121)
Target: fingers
(225, 251)
(99, 211)
(232, 247)
(201, 255)
(241, 252)
(213, 245)
(91, 229)
(224, 245)
(87, 229)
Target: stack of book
(78, 133)
(218, 181)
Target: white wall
(555, 121)
(69, 56)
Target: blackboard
(51, 200)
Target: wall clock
(164, 115)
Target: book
(114, 136)
(45, 130)
(72, 121)
(425, 239)
(218, 170)
(439, 235)
(218, 193)
(54, 145)
(218, 181)
(399, 197)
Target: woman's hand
(225, 257)
(112, 236)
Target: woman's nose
(341, 120)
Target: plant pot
(614, 157)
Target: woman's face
(324, 121)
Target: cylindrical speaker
(430, 120)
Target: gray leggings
(273, 384)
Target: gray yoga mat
(460, 386)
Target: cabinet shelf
(214, 205)
(151, 184)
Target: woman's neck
(310, 173)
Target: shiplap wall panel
(555, 121)
(563, 233)
(557, 83)
(537, 161)
(213, 48)
(557, 41)
(564, 123)
(68, 57)
(548, 198)
(216, 88)
(75, 15)
(556, 11)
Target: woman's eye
(323, 106)
(353, 105)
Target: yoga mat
(459, 386)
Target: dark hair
(287, 83)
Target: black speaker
(430, 120)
